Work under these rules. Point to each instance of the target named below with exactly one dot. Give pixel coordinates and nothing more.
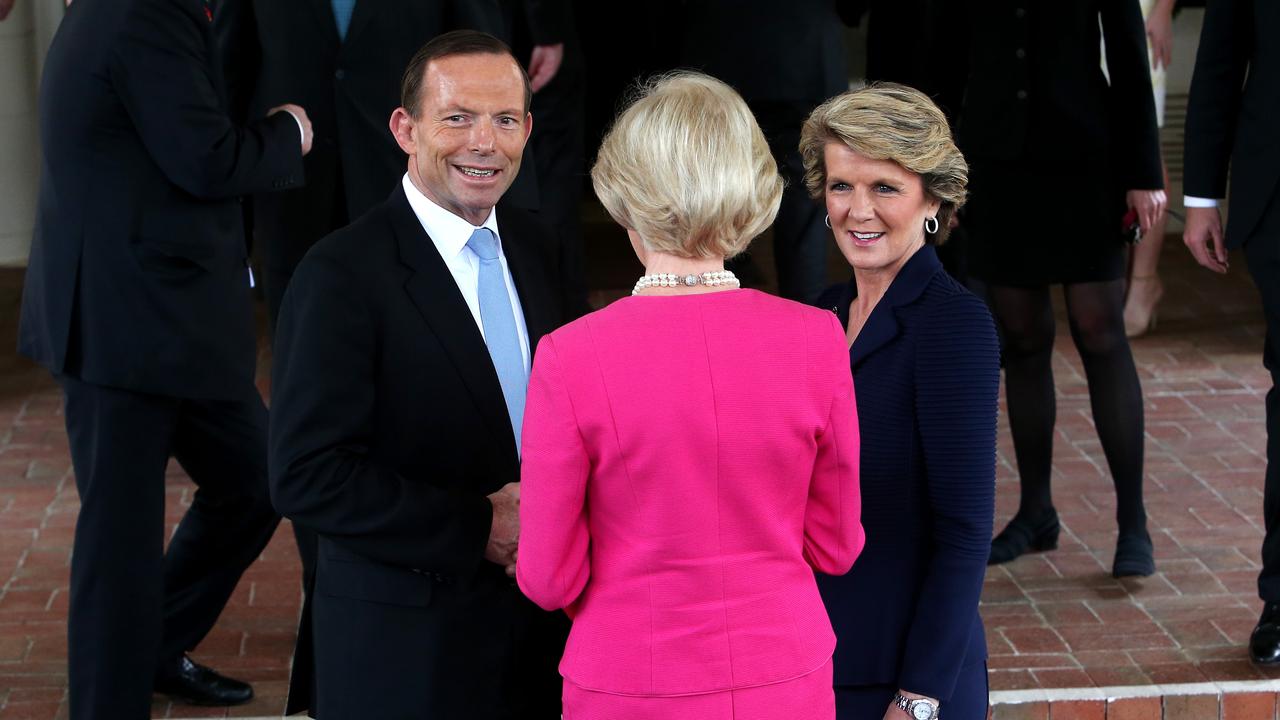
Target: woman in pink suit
(690, 454)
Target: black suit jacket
(926, 367)
(1022, 81)
(1233, 110)
(388, 429)
(782, 52)
(138, 276)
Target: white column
(24, 37)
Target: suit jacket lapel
(536, 298)
(359, 18)
(323, 12)
(435, 294)
(882, 326)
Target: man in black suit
(340, 59)
(785, 58)
(137, 299)
(400, 365)
(1235, 98)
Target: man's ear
(528, 125)
(402, 129)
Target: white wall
(23, 39)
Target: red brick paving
(1053, 620)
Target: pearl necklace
(710, 279)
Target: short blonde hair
(687, 168)
(887, 121)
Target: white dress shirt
(450, 234)
(1196, 202)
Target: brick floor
(1055, 620)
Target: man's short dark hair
(457, 42)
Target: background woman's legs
(1025, 316)
(1115, 397)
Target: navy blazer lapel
(435, 294)
(519, 245)
(882, 326)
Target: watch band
(911, 705)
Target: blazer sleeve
(322, 427)
(161, 70)
(1213, 108)
(833, 534)
(554, 564)
(957, 385)
(1136, 137)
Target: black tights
(1095, 312)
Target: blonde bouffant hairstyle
(887, 121)
(687, 168)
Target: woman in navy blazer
(925, 359)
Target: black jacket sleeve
(163, 68)
(1137, 140)
(1213, 108)
(957, 386)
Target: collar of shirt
(449, 232)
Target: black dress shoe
(188, 681)
(1264, 643)
(1134, 556)
(1021, 536)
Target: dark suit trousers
(800, 236)
(1262, 253)
(133, 604)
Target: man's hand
(543, 64)
(308, 136)
(1148, 204)
(504, 533)
(6, 6)
(1203, 237)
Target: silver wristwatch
(917, 709)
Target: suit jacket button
(1022, 94)
(340, 74)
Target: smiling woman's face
(877, 208)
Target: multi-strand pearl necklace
(710, 279)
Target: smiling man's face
(466, 143)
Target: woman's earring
(931, 225)
(827, 221)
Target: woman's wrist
(916, 696)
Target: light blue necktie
(499, 323)
(342, 10)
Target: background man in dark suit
(401, 361)
(137, 299)
(1235, 98)
(785, 58)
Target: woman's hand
(1148, 204)
(1160, 34)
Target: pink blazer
(687, 462)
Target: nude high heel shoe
(1140, 305)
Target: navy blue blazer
(927, 376)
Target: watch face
(922, 711)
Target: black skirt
(1034, 224)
